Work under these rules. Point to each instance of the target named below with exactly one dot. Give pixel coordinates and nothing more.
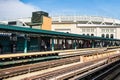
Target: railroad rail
(53, 75)
(49, 64)
(102, 72)
(109, 71)
(80, 72)
(5, 73)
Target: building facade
(87, 25)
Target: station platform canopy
(52, 34)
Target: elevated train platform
(27, 50)
(21, 45)
(16, 39)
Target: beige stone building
(87, 25)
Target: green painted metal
(33, 44)
(25, 46)
(20, 44)
(5, 42)
(50, 33)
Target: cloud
(12, 9)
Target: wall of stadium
(103, 28)
(102, 31)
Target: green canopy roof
(24, 30)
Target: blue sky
(108, 8)
(12, 9)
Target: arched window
(111, 36)
(92, 34)
(107, 35)
(83, 34)
(103, 35)
(87, 34)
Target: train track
(10, 72)
(73, 70)
(109, 71)
(52, 75)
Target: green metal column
(93, 44)
(25, 45)
(75, 45)
(52, 44)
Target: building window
(88, 30)
(83, 34)
(107, 35)
(83, 30)
(103, 30)
(103, 35)
(112, 30)
(111, 36)
(92, 34)
(87, 34)
(92, 30)
(107, 30)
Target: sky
(13, 9)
